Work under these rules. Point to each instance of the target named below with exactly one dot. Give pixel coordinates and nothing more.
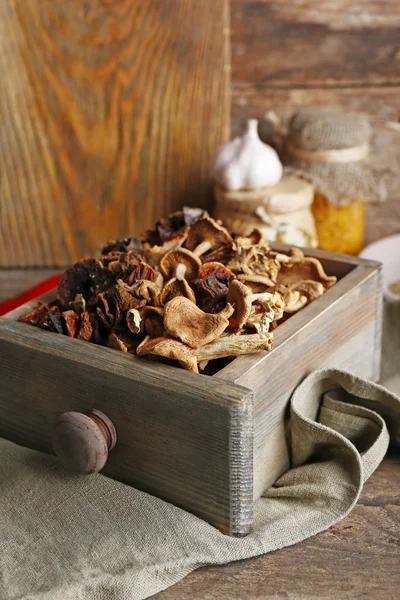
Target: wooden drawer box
(211, 445)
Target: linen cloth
(66, 537)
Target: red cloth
(33, 292)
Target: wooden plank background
(339, 53)
(110, 113)
(78, 87)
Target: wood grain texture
(363, 552)
(357, 558)
(15, 281)
(191, 444)
(312, 43)
(380, 103)
(110, 114)
(337, 339)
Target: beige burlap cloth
(91, 538)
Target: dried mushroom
(234, 345)
(177, 287)
(133, 320)
(152, 318)
(180, 264)
(189, 291)
(308, 288)
(206, 235)
(188, 323)
(87, 277)
(302, 269)
(212, 286)
(170, 348)
(241, 298)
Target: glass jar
(340, 228)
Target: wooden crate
(211, 445)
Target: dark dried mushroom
(142, 271)
(78, 304)
(126, 262)
(35, 316)
(121, 245)
(87, 277)
(212, 286)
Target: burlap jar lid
(331, 149)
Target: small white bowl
(386, 251)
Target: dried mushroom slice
(116, 343)
(234, 345)
(72, 322)
(206, 235)
(169, 348)
(87, 277)
(212, 286)
(254, 238)
(35, 316)
(257, 283)
(304, 269)
(86, 329)
(241, 298)
(121, 245)
(78, 304)
(308, 288)
(125, 262)
(185, 321)
(133, 320)
(124, 298)
(177, 287)
(293, 300)
(142, 271)
(166, 230)
(180, 264)
(265, 312)
(152, 319)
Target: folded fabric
(91, 538)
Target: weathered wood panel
(110, 113)
(191, 444)
(357, 558)
(327, 326)
(310, 43)
(382, 104)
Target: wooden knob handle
(82, 441)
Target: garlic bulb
(246, 162)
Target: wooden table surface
(357, 558)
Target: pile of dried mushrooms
(189, 291)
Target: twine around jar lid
(330, 149)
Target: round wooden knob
(82, 441)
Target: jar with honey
(330, 149)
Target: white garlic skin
(247, 163)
